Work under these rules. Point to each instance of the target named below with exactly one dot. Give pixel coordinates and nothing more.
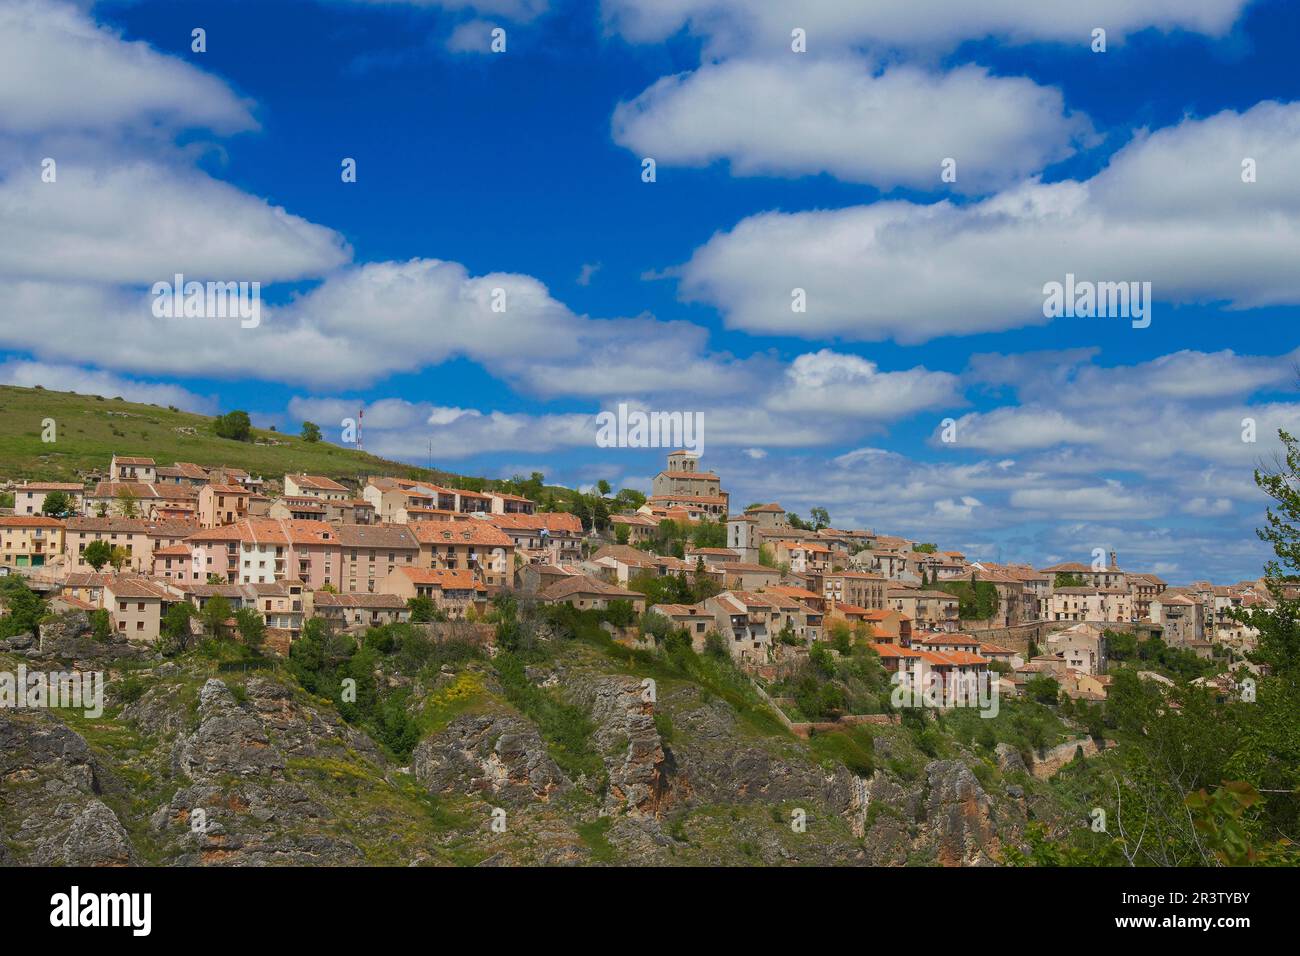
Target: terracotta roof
(227, 489)
(131, 586)
(375, 536)
(962, 657)
(319, 482)
(86, 579)
(802, 594)
(470, 531)
(851, 608)
(154, 527)
(774, 508)
(457, 580)
(890, 650)
(51, 486)
(29, 521)
(551, 520)
(642, 520)
(585, 584)
(681, 610)
(271, 531)
(747, 567)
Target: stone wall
(806, 729)
(1050, 762)
(1017, 636)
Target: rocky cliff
(189, 766)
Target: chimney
(1113, 562)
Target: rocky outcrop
(958, 820)
(229, 741)
(638, 768)
(19, 642)
(239, 808)
(52, 784)
(498, 755)
(68, 636)
(947, 818)
(1009, 759)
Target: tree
(600, 514)
(97, 554)
(821, 518)
(1043, 689)
(583, 510)
(628, 499)
(925, 547)
(1279, 626)
(622, 533)
(175, 626)
(56, 504)
(235, 425)
(101, 625)
(214, 615)
(310, 432)
(603, 487)
(126, 502)
(25, 607)
(251, 627)
(118, 557)
(424, 611)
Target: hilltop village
(761, 582)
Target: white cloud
(1014, 429)
(913, 272)
(141, 222)
(764, 24)
(1207, 507)
(472, 36)
(1107, 499)
(833, 383)
(520, 10)
(796, 116)
(61, 71)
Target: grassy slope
(90, 429)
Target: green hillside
(90, 428)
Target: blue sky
(522, 170)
